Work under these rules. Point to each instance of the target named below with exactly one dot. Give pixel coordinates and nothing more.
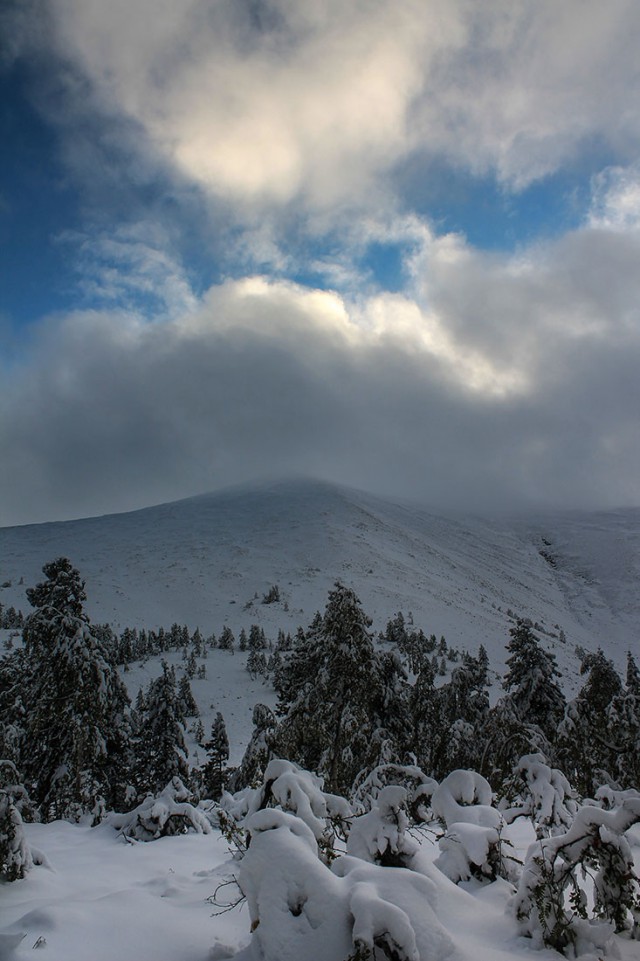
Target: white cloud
(262, 104)
(616, 199)
(132, 264)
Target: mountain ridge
(208, 560)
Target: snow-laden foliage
(213, 775)
(300, 908)
(161, 749)
(339, 698)
(472, 845)
(552, 905)
(465, 797)
(259, 750)
(541, 793)
(291, 789)
(380, 836)
(418, 786)
(15, 854)
(167, 813)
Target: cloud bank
(503, 381)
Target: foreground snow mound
(300, 908)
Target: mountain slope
(202, 562)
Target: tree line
(73, 743)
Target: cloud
(616, 198)
(267, 103)
(497, 381)
(133, 264)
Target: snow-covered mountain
(208, 561)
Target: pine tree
(162, 752)
(332, 695)
(226, 641)
(460, 711)
(530, 680)
(78, 726)
(214, 775)
(588, 745)
(259, 750)
(186, 700)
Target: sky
(388, 243)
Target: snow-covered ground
(203, 561)
(99, 897)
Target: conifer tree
(186, 700)
(162, 751)
(214, 775)
(78, 725)
(332, 695)
(589, 742)
(530, 680)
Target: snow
(103, 898)
(98, 896)
(203, 560)
(93, 894)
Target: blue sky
(420, 216)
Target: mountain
(209, 560)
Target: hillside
(207, 561)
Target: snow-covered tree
(214, 773)
(530, 681)
(589, 744)
(162, 753)
(166, 813)
(457, 716)
(551, 903)
(541, 793)
(15, 854)
(259, 750)
(334, 695)
(187, 701)
(78, 726)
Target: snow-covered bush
(551, 903)
(472, 845)
(300, 908)
(380, 835)
(417, 784)
(299, 792)
(15, 855)
(543, 794)
(465, 796)
(167, 813)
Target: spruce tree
(78, 724)
(589, 743)
(162, 752)
(530, 680)
(332, 695)
(214, 775)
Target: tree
(214, 774)
(162, 750)
(187, 701)
(589, 743)
(78, 726)
(530, 681)
(459, 713)
(333, 695)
